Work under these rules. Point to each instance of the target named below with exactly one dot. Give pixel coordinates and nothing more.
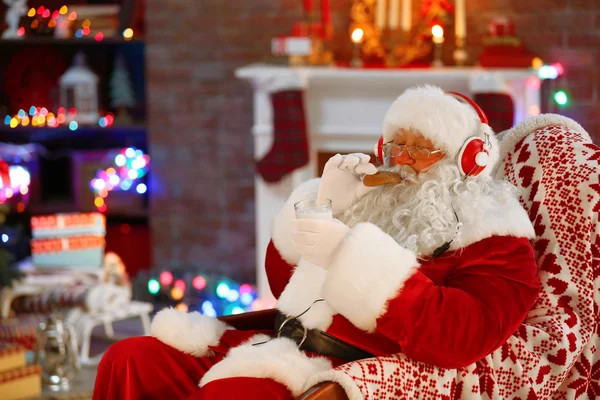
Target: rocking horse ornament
(424, 287)
(16, 9)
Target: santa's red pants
(145, 368)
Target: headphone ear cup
(473, 157)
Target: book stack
(70, 240)
(17, 379)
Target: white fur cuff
(191, 333)
(300, 294)
(368, 270)
(277, 359)
(282, 224)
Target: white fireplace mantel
(345, 109)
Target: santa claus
(426, 255)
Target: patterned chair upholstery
(554, 353)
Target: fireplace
(345, 109)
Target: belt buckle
(288, 319)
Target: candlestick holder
(437, 54)
(460, 54)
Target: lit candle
(438, 39)
(406, 15)
(394, 16)
(460, 19)
(325, 13)
(380, 14)
(438, 34)
(356, 37)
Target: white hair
(426, 210)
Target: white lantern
(79, 90)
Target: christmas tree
(121, 91)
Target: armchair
(554, 164)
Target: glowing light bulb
(199, 283)
(73, 125)
(176, 294)
(31, 12)
(180, 284)
(153, 286)
(222, 290)
(561, 98)
(5, 237)
(166, 278)
(141, 188)
(63, 10)
(536, 63)
(128, 34)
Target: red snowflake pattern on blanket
(553, 355)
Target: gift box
(12, 356)
(21, 383)
(70, 240)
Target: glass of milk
(314, 208)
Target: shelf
(49, 40)
(85, 137)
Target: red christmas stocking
(290, 141)
(499, 108)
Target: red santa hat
(445, 119)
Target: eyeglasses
(393, 150)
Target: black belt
(316, 341)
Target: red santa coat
(449, 311)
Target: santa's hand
(341, 181)
(317, 240)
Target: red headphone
(474, 155)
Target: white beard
(419, 212)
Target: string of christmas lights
(41, 117)
(552, 72)
(55, 18)
(209, 295)
(130, 166)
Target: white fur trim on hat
(440, 117)
(369, 269)
(191, 333)
(277, 359)
(300, 294)
(282, 224)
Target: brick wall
(200, 115)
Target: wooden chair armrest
(253, 320)
(324, 391)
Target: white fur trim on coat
(191, 333)
(345, 381)
(277, 359)
(497, 219)
(301, 292)
(369, 268)
(511, 137)
(282, 228)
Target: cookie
(381, 178)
